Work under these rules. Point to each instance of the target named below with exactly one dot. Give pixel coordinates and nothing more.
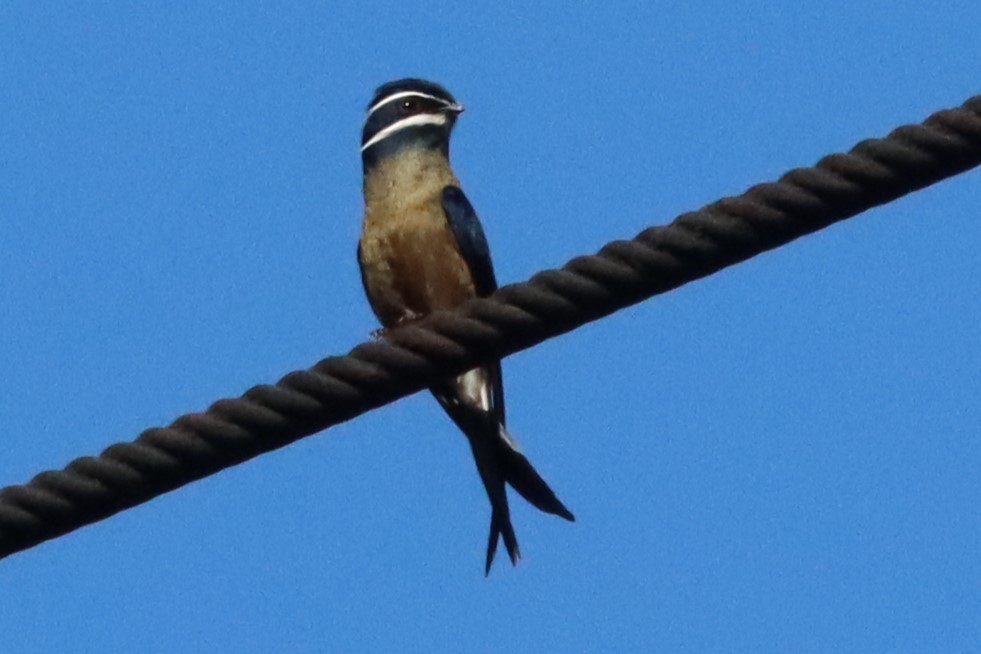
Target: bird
(422, 249)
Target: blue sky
(782, 457)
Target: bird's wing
(472, 244)
(470, 239)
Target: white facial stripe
(411, 121)
(403, 94)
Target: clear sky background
(782, 457)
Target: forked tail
(499, 463)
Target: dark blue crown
(411, 84)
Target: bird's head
(408, 113)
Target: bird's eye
(407, 106)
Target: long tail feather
(523, 477)
(500, 463)
(501, 526)
(487, 456)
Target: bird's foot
(407, 318)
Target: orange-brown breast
(409, 257)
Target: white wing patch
(475, 389)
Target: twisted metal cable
(516, 317)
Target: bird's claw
(408, 318)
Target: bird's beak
(454, 108)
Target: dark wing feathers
(472, 243)
(470, 239)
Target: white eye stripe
(411, 121)
(404, 94)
